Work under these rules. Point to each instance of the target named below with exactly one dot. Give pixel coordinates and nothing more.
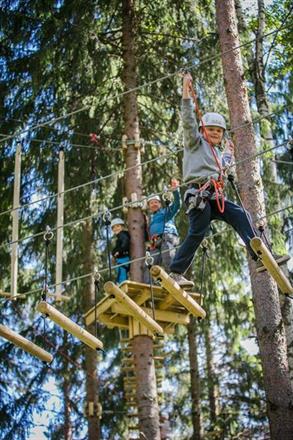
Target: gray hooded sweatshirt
(198, 161)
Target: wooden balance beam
(271, 265)
(175, 290)
(134, 310)
(25, 344)
(70, 326)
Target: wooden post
(60, 222)
(25, 344)
(133, 308)
(175, 290)
(70, 326)
(15, 221)
(271, 265)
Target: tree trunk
(90, 362)
(260, 87)
(270, 169)
(146, 394)
(212, 386)
(269, 324)
(194, 379)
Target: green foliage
(59, 57)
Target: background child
(163, 234)
(121, 248)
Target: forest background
(63, 61)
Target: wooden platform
(115, 309)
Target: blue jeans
(122, 271)
(199, 223)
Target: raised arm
(176, 205)
(190, 125)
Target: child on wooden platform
(162, 231)
(121, 248)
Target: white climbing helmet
(153, 197)
(214, 119)
(117, 221)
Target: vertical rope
(97, 286)
(107, 223)
(47, 237)
(203, 264)
(149, 261)
(231, 180)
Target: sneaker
(183, 282)
(280, 260)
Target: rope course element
(105, 269)
(134, 89)
(117, 173)
(130, 203)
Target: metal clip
(48, 235)
(106, 216)
(149, 260)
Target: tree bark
(269, 324)
(270, 169)
(194, 379)
(90, 362)
(146, 392)
(260, 87)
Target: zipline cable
(117, 173)
(75, 222)
(105, 269)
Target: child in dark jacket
(120, 251)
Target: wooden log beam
(25, 344)
(160, 315)
(133, 308)
(70, 326)
(271, 265)
(60, 223)
(175, 290)
(101, 307)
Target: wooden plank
(70, 326)
(119, 321)
(271, 265)
(175, 290)
(8, 295)
(160, 315)
(101, 307)
(60, 230)
(15, 221)
(133, 308)
(169, 300)
(25, 344)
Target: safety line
(105, 269)
(130, 203)
(91, 182)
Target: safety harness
(218, 184)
